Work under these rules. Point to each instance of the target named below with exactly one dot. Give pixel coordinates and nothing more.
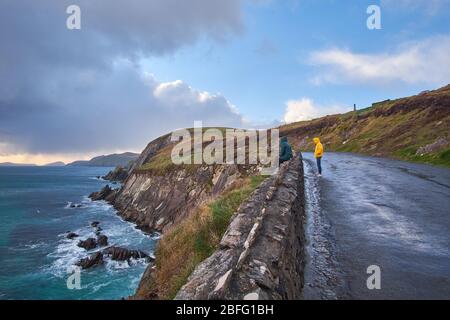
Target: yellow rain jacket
(318, 153)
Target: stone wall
(261, 256)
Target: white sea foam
(70, 205)
(113, 266)
(134, 282)
(97, 178)
(35, 245)
(29, 246)
(97, 287)
(119, 232)
(67, 252)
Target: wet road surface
(368, 211)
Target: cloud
(66, 91)
(420, 62)
(305, 109)
(123, 109)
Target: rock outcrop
(88, 244)
(102, 240)
(72, 235)
(122, 254)
(93, 260)
(155, 202)
(151, 150)
(115, 253)
(438, 145)
(106, 194)
(261, 255)
(119, 174)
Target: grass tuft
(440, 158)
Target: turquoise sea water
(35, 216)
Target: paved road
(369, 211)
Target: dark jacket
(285, 150)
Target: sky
(139, 69)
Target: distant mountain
(10, 164)
(55, 164)
(112, 160)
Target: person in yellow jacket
(318, 154)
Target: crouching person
(285, 150)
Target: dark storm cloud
(76, 91)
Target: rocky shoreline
(243, 249)
(154, 210)
(100, 243)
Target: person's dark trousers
(319, 164)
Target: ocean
(36, 214)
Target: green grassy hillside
(416, 129)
